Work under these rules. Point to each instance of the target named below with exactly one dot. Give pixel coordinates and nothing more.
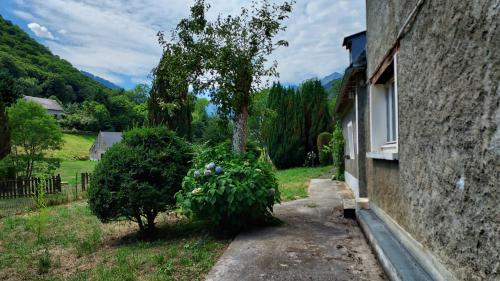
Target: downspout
(406, 25)
(409, 19)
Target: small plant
(230, 191)
(324, 150)
(338, 151)
(39, 220)
(310, 158)
(44, 262)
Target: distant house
(52, 106)
(103, 142)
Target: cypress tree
(170, 104)
(299, 117)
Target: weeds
(44, 262)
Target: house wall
(362, 127)
(446, 190)
(56, 113)
(351, 165)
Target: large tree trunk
(240, 131)
(4, 132)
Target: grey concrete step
(396, 260)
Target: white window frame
(383, 144)
(350, 140)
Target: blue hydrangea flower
(210, 166)
(196, 173)
(218, 169)
(207, 172)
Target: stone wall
(448, 196)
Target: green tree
(139, 94)
(228, 56)
(258, 116)
(315, 112)
(170, 103)
(283, 129)
(200, 118)
(138, 178)
(324, 149)
(33, 133)
(7, 96)
(55, 86)
(27, 86)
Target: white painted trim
(350, 140)
(383, 155)
(424, 257)
(357, 119)
(352, 182)
(379, 147)
(370, 116)
(395, 60)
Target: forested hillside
(41, 72)
(89, 106)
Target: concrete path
(316, 243)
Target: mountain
(101, 81)
(328, 81)
(38, 72)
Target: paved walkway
(316, 243)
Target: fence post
(76, 186)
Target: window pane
(393, 113)
(390, 98)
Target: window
(350, 140)
(390, 97)
(384, 113)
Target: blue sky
(116, 39)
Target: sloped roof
(107, 139)
(45, 103)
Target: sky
(117, 39)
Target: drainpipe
(409, 19)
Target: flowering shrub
(229, 190)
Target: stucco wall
(448, 89)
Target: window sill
(391, 156)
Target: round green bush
(230, 191)
(323, 141)
(138, 178)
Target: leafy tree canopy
(33, 133)
(228, 56)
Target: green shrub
(323, 142)
(231, 191)
(338, 151)
(44, 262)
(138, 178)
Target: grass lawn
(75, 246)
(74, 156)
(69, 168)
(293, 182)
(75, 147)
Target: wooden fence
(29, 187)
(85, 179)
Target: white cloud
(116, 38)
(40, 31)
